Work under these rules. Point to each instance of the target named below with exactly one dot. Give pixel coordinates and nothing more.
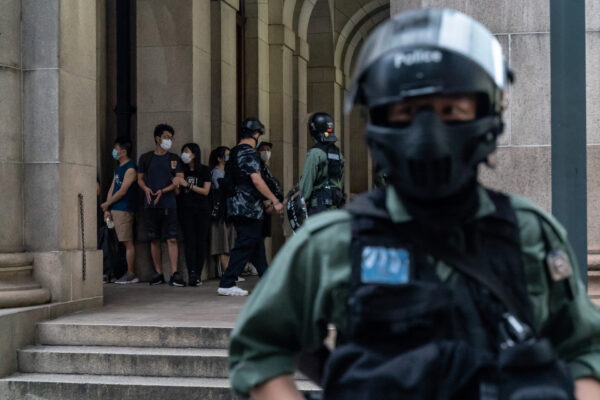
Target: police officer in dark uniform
(246, 192)
(438, 287)
(322, 182)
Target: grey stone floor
(163, 305)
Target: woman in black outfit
(194, 210)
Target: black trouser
(249, 246)
(195, 223)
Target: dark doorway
(119, 108)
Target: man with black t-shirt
(157, 169)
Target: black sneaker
(176, 280)
(157, 279)
(194, 280)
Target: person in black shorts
(157, 171)
(194, 210)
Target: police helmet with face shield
(321, 127)
(430, 52)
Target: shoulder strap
(145, 161)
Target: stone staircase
(17, 286)
(87, 361)
(594, 276)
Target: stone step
(20, 284)
(594, 283)
(23, 298)
(130, 361)
(84, 387)
(8, 274)
(593, 262)
(65, 334)
(8, 260)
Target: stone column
(11, 166)
(359, 159)
(300, 106)
(59, 138)
(173, 87)
(17, 288)
(224, 76)
(282, 42)
(257, 60)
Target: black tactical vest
(410, 335)
(335, 164)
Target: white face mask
(166, 144)
(265, 155)
(186, 157)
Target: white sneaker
(240, 279)
(250, 269)
(232, 291)
(127, 278)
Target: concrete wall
(524, 167)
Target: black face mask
(431, 160)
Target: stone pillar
(59, 138)
(359, 159)
(173, 87)
(300, 107)
(224, 76)
(257, 60)
(11, 166)
(201, 75)
(282, 42)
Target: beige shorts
(123, 224)
(222, 238)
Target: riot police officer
(322, 182)
(438, 287)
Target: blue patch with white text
(385, 265)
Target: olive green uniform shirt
(314, 174)
(307, 285)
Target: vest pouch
(338, 197)
(531, 371)
(413, 314)
(435, 371)
(324, 196)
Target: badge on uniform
(559, 265)
(173, 164)
(385, 265)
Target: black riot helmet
(321, 128)
(251, 125)
(430, 52)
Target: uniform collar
(399, 213)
